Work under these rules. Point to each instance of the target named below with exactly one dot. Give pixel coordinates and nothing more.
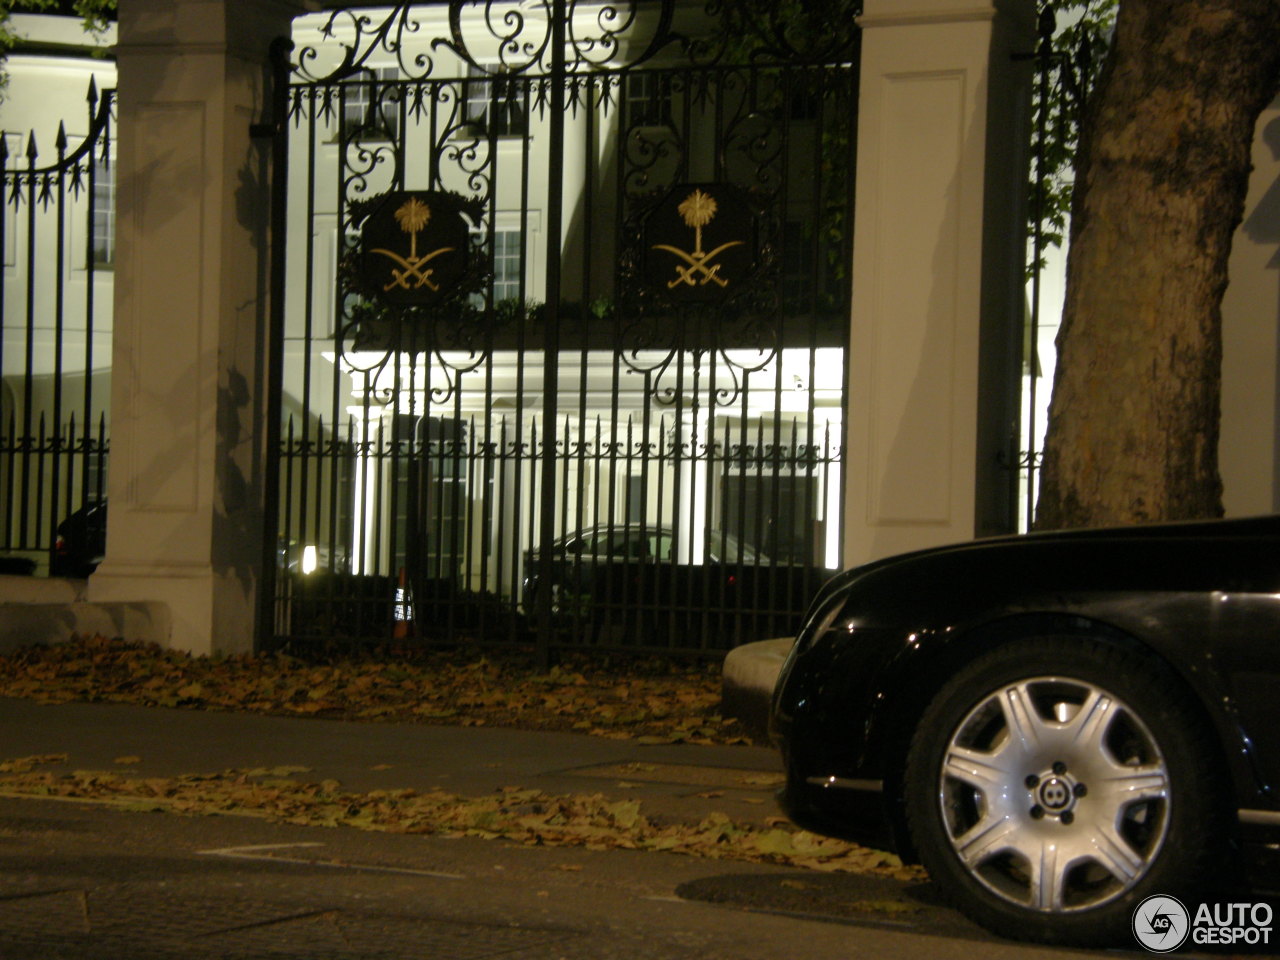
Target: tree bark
(1160, 188)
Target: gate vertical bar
(275, 125)
(551, 347)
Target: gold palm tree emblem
(697, 210)
(413, 216)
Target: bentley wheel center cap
(1055, 794)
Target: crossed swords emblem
(413, 216)
(697, 210)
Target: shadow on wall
(1263, 225)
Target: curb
(747, 680)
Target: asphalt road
(91, 882)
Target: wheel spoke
(1048, 877)
(989, 836)
(1130, 785)
(1116, 856)
(1025, 725)
(1089, 726)
(983, 771)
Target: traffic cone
(403, 628)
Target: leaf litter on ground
(515, 814)
(651, 701)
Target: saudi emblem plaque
(700, 243)
(416, 247)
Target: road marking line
(254, 848)
(254, 852)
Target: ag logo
(1161, 923)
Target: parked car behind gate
(633, 584)
(1056, 725)
(578, 557)
(80, 542)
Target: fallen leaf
(762, 780)
(798, 885)
(24, 764)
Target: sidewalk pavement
(674, 782)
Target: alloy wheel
(1054, 794)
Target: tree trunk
(1160, 188)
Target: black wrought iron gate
(565, 302)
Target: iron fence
(56, 251)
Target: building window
(647, 99)
(507, 265)
(104, 212)
(493, 104)
(371, 105)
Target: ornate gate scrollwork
(559, 267)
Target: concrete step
(40, 610)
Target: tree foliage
(1074, 39)
(95, 15)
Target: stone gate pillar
(935, 334)
(188, 400)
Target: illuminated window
(371, 105)
(104, 212)
(494, 104)
(507, 266)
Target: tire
(1055, 782)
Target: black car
(80, 542)
(582, 560)
(1056, 725)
